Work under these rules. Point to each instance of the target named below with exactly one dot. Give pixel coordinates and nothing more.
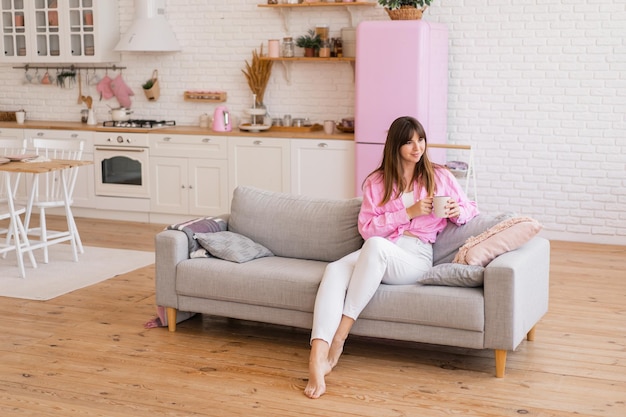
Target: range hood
(149, 32)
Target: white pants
(350, 283)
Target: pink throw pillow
(503, 237)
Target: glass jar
(288, 47)
(325, 49)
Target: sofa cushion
(429, 305)
(232, 246)
(454, 275)
(453, 237)
(503, 237)
(291, 284)
(296, 226)
(277, 282)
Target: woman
(399, 226)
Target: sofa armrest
(171, 248)
(516, 293)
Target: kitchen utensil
(91, 118)
(80, 89)
(221, 120)
(121, 114)
(253, 128)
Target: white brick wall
(539, 89)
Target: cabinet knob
(206, 140)
(74, 135)
(322, 145)
(182, 186)
(191, 187)
(167, 139)
(257, 142)
(40, 134)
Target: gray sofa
(304, 234)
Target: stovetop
(140, 124)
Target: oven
(121, 164)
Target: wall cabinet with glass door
(188, 174)
(54, 31)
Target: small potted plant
(311, 42)
(151, 87)
(405, 9)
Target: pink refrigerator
(401, 70)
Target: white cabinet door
(84, 190)
(188, 186)
(54, 31)
(189, 174)
(169, 184)
(12, 133)
(260, 162)
(208, 193)
(322, 168)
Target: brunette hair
(400, 132)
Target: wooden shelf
(309, 59)
(205, 96)
(284, 9)
(320, 4)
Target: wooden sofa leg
(530, 336)
(171, 319)
(500, 362)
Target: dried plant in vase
(258, 75)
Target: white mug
(329, 127)
(439, 205)
(20, 116)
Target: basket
(7, 116)
(153, 93)
(405, 13)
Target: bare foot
(336, 349)
(318, 368)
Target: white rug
(62, 275)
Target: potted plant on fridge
(405, 9)
(310, 42)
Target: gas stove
(140, 124)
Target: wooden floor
(88, 354)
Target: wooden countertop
(176, 130)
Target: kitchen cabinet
(322, 168)
(12, 133)
(188, 174)
(259, 162)
(55, 31)
(84, 189)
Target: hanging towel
(104, 88)
(122, 91)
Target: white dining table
(22, 243)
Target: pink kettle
(221, 120)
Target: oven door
(121, 171)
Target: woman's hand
(421, 208)
(452, 208)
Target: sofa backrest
(296, 226)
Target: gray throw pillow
(232, 246)
(454, 275)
